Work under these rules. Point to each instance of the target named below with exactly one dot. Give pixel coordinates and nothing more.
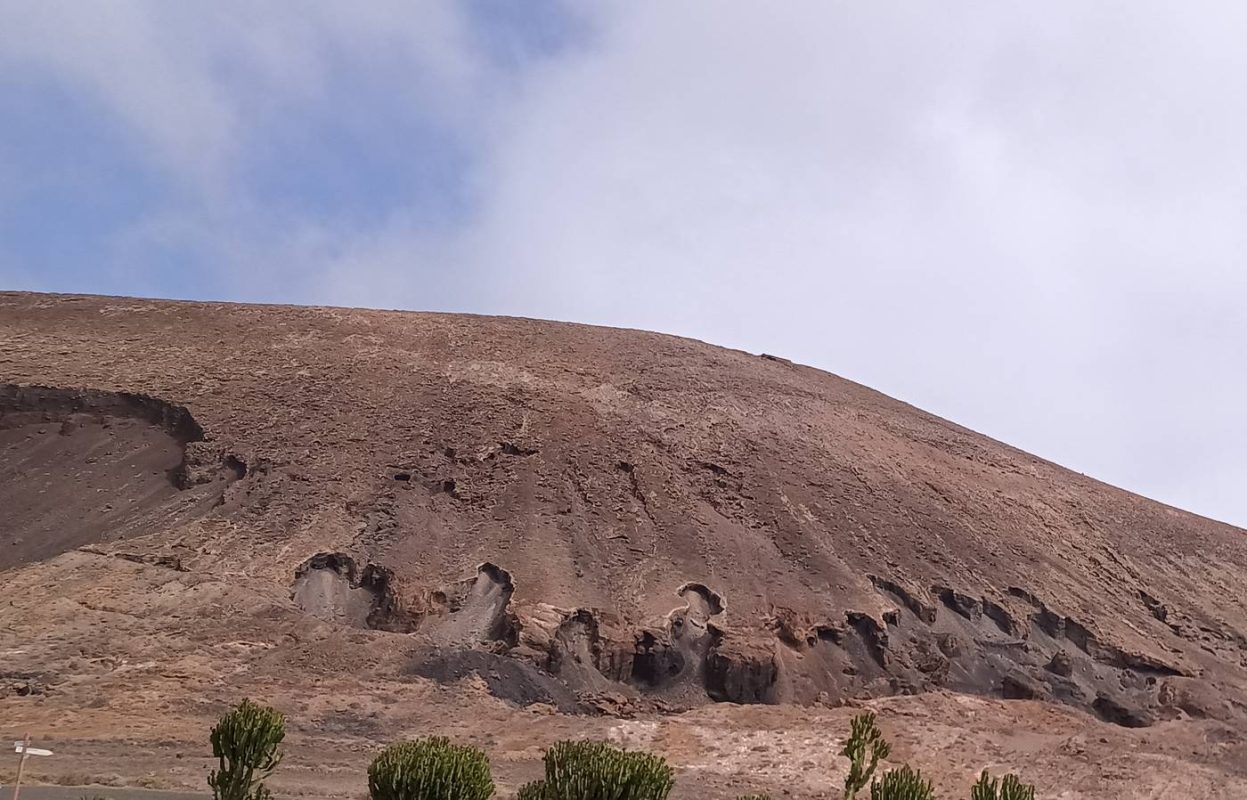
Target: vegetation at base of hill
(430, 769)
(1007, 788)
(902, 784)
(246, 743)
(864, 749)
(597, 771)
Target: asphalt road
(109, 792)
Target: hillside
(525, 517)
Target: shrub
(245, 743)
(597, 771)
(902, 784)
(864, 749)
(430, 769)
(1010, 787)
(532, 791)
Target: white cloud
(147, 75)
(1023, 217)
(190, 79)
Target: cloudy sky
(1026, 217)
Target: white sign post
(25, 749)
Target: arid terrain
(389, 524)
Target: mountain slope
(586, 517)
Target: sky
(1026, 217)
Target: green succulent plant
(246, 744)
(1010, 787)
(902, 783)
(432, 768)
(865, 748)
(598, 771)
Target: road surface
(108, 792)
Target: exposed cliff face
(82, 466)
(575, 513)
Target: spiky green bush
(532, 791)
(1010, 787)
(902, 783)
(245, 743)
(431, 768)
(597, 771)
(754, 797)
(865, 748)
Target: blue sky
(1028, 219)
(118, 181)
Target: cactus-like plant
(1010, 787)
(754, 797)
(902, 784)
(865, 748)
(597, 771)
(532, 791)
(245, 743)
(431, 768)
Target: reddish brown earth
(390, 524)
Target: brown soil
(390, 523)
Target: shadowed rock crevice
(978, 645)
(583, 657)
(331, 587)
(963, 643)
(476, 611)
(669, 660)
(739, 672)
(465, 614)
(679, 662)
(910, 598)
